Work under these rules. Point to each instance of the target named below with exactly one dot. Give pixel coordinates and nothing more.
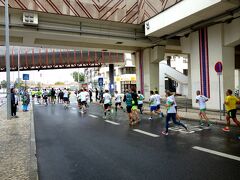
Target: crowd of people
(133, 104)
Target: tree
(20, 84)
(59, 83)
(39, 85)
(77, 75)
(4, 84)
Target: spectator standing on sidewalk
(201, 100)
(14, 103)
(231, 107)
(171, 113)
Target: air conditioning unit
(30, 19)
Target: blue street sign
(100, 82)
(25, 77)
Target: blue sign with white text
(25, 77)
(100, 82)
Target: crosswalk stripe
(217, 153)
(92, 116)
(146, 133)
(111, 122)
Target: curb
(33, 174)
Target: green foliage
(59, 83)
(77, 75)
(39, 85)
(3, 84)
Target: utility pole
(7, 60)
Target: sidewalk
(17, 146)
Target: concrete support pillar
(216, 52)
(147, 69)
(111, 78)
(189, 78)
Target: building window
(128, 70)
(126, 85)
(185, 72)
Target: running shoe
(165, 133)
(150, 118)
(226, 129)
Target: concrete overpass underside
(30, 60)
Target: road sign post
(25, 78)
(7, 60)
(100, 82)
(218, 69)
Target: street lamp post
(7, 60)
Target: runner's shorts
(117, 104)
(106, 106)
(232, 113)
(129, 109)
(140, 106)
(158, 107)
(153, 108)
(65, 99)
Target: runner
(201, 99)
(65, 98)
(158, 102)
(53, 95)
(84, 98)
(153, 104)
(171, 113)
(128, 100)
(79, 99)
(61, 96)
(175, 104)
(118, 101)
(107, 102)
(135, 117)
(45, 97)
(231, 107)
(39, 95)
(140, 101)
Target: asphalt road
(76, 146)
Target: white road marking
(111, 122)
(186, 132)
(146, 133)
(92, 116)
(217, 153)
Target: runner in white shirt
(84, 97)
(201, 100)
(107, 101)
(153, 104)
(118, 101)
(65, 98)
(171, 113)
(175, 105)
(158, 102)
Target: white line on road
(146, 133)
(92, 116)
(111, 122)
(217, 153)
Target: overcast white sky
(44, 76)
(48, 76)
